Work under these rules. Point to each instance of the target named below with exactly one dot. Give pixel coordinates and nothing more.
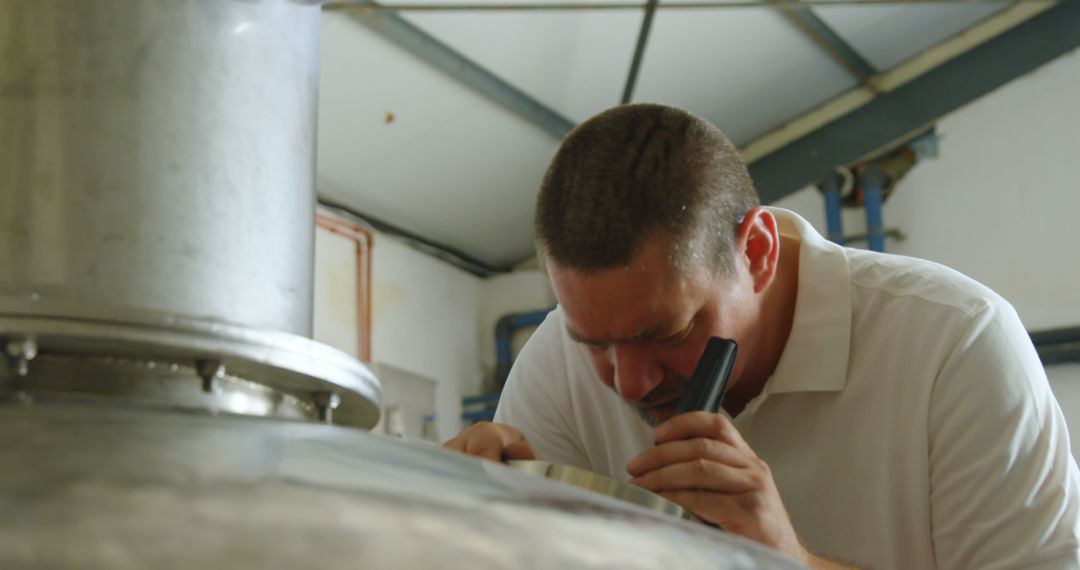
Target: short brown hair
(637, 172)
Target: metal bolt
(210, 371)
(326, 402)
(20, 351)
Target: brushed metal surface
(597, 483)
(111, 487)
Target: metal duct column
(157, 203)
(159, 156)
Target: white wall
(429, 318)
(336, 294)
(425, 316)
(426, 320)
(1001, 203)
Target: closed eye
(677, 337)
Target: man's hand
(702, 463)
(497, 442)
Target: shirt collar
(815, 358)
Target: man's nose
(637, 371)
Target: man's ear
(758, 242)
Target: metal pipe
(362, 239)
(834, 221)
(873, 195)
(504, 331)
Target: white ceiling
(887, 35)
(459, 170)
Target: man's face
(646, 325)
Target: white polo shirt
(909, 423)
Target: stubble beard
(669, 393)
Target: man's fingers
(687, 450)
(492, 441)
(486, 445)
(714, 508)
(698, 474)
(699, 424)
(518, 450)
(455, 444)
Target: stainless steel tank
(161, 404)
(90, 487)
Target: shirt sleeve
(1003, 483)
(536, 399)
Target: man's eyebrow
(578, 337)
(648, 334)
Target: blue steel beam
(429, 49)
(892, 116)
(830, 41)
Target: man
(888, 411)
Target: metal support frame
(825, 37)
(1057, 346)
(639, 51)
(894, 115)
(412, 39)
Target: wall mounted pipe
(834, 220)
(504, 331)
(364, 244)
(873, 196)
